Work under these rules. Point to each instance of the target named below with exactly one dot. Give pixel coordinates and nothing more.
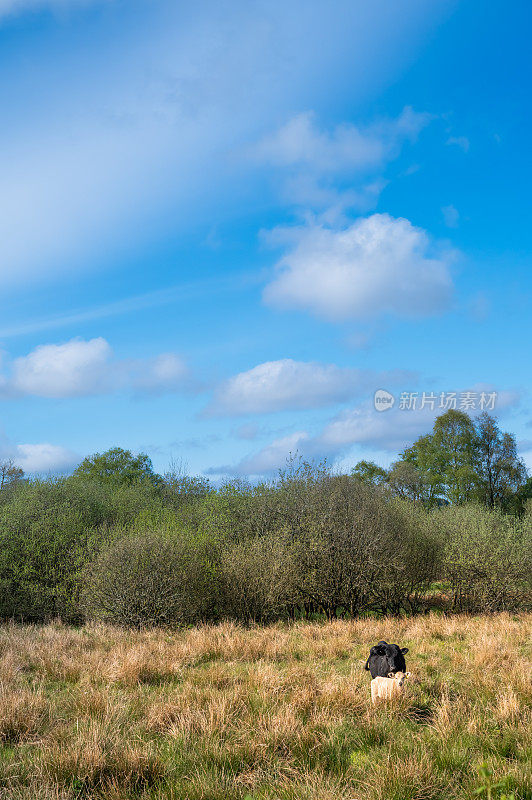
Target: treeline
(117, 542)
(460, 461)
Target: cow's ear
(404, 650)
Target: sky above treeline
(225, 225)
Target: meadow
(281, 711)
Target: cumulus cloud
(376, 265)
(79, 368)
(288, 384)
(389, 430)
(63, 370)
(38, 458)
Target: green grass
(274, 712)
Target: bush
(363, 551)
(487, 562)
(151, 579)
(259, 579)
(310, 543)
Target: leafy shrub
(363, 551)
(487, 558)
(48, 530)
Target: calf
(385, 658)
(388, 688)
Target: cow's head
(400, 677)
(395, 656)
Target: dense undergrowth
(311, 544)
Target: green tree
(455, 438)
(429, 462)
(501, 472)
(487, 561)
(180, 487)
(151, 578)
(407, 481)
(9, 473)
(446, 458)
(48, 529)
(462, 461)
(118, 467)
(369, 472)
(522, 499)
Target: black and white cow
(385, 658)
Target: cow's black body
(385, 658)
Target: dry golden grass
(274, 712)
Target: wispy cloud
(362, 426)
(459, 141)
(171, 295)
(451, 216)
(338, 168)
(301, 143)
(388, 431)
(119, 154)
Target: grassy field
(277, 712)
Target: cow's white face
(400, 677)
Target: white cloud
(37, 458)
(105, 160)
(44, 457)
(374, 431)
(301, 143)
(376, 265)
(387, 431)
(269, 458)
(164, 373)
(383, 430)
(79, 368)
(63, 370)
(288, 384)
(313, 160)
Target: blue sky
(224, 226)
